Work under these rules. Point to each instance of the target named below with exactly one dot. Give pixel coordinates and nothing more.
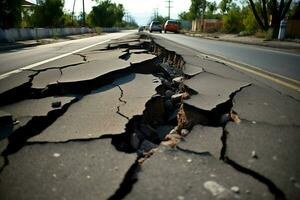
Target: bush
(269, 34)
(250, 23)
(98, 30)
(233, 21)
(266, 35)
(260, 34)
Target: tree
(295, 11)
(197, 8)
(249, 21)
(10, 13)
(48, 13)
(225, 5)
(106, 14)
(159, 18)
(276, 8)
(233, 20)
(185, 16)
(67, 20)
(211, 9)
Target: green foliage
(210, 11)
(10, 13)
(197, 8)
(98, 30)
(225, 6)
(106, 14)
(129, 25)
(185, 16)
(267, 35)
(48, 13)
(233, 21)
(159, 18)
(295, 12)
(250, 22)
(27, 18)
(67, 21)
(211, 7)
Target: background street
(272, 60)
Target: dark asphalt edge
(18, 46)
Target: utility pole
(83, 14)
(169, 8)
(126, 16)
(73, 12)
(155, 13)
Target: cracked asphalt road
(140, 117)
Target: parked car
(141, 28)
(155, 26)
(172, 26)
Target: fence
(18, 34)
(209, 25)
(293, 28)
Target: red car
(172, 26)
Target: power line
(169, 7)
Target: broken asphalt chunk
(203, 139)
(91, 117)
(212, 90)
(258, 104)
(189, 174)
(24, 111)
(192, 70)
(83, 170)
(44, 78)
(14, 86)
(105, 111)
(35, 107)
(138, 58)
(91, 70)
(276, 147)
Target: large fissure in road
(151, 119)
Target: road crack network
(166, 120)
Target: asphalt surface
(134, 118)
(18, 58)
(269, 59)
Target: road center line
(2, 76)
(265, 75)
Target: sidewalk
(29, 43)
(288, 45)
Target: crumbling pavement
(144, 118)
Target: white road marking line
(2, 76)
